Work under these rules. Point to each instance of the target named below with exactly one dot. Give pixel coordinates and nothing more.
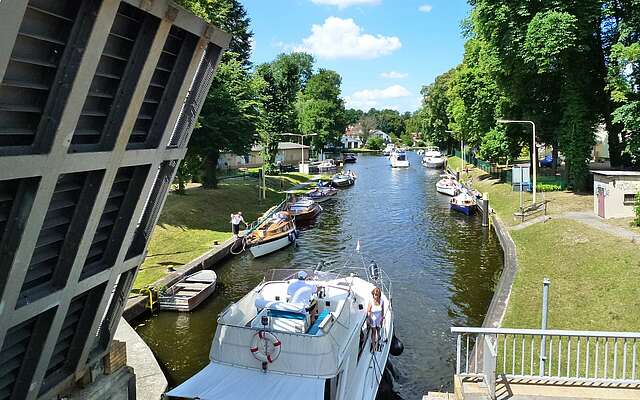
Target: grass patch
(190, 224)
(593, 279)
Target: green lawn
(593, 278)
(190, 224)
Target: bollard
(545, 310)
(485, 209)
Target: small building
(614, 193)
(382, 135)
(288, 154)
(352, 138)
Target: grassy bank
(592, 273)
(190, 224)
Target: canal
(444, 267)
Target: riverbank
(591, 270)
(192, 224)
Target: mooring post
(545, 310)
(485, 209)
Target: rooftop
(281, 146)
(617, 173)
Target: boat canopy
(221, 382)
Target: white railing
(547, 355)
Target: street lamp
(301, 144)
(534, 152)
(464, 162)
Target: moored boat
(268, 346)
(349, 158)
(433, 158)
(322, 194)
(398, 159)
(273, 234)
(304, 209)
(189, 292)
(343, 179)
(388, 149)
(464, 203)
(448, 185)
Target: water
(443, 265)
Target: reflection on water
(443, 265)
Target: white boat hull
(399, 164)
(262, 249)
(448, 190)
(433, 163)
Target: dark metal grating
(8, 191)
(126, 187)
(156, 90)
(30, 74)
(12, 355)
(108, 77)
(195, 99)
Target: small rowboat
(275, 233)
(322, 194)
(349, 158)
(305, 209)
(189, 292)
(464, 203)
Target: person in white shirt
(375, 313)
(302, 292)
(236, 220)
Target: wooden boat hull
(269, 246)
(307, 215)
(185, 295)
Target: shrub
(375, 143)
(549, 187)
(637, 209)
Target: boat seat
(286, 314)
(316, 325)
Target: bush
(374, 143)
(637, 209)
(549, 187)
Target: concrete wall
(99, 98)
(615, 188)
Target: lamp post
(464, 163)
(301, 143)
(534, 151)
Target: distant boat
(304, 209)
(273, 234)
(447, 185)
(433, 158)
(343, 179)
(349, 158)
(322, 194)
(398, 159)
(464, 203)
(189, 292)
(389, 149)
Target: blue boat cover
(316, 325)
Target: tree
(367, 124)
(352, 116)
(374, 143)
(433, 117)
(228, 118)
(320, 108)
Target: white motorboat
(433, 158)
(274, 233)
(270, 349)
(448, 185)
(344, 179)
(388, 149)
(398, 159)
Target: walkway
(588, 218)
(150, 381)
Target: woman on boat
(375, 313)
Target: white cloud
(346, 3)
(343, 38)
(394, 75)
(425, 8)
(368, 98)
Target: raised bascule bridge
(98, 99)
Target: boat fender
(297, 233)
(265, 347)
(396, 347)
(292, 237)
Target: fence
(547, 355)
(486, 166)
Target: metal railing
(568, 356)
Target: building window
(629, 199)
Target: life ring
(265, 347)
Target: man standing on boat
(236, 219)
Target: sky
(385, 50)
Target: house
(352, 138)
(288, 154)
(385, 136)
(614, 193)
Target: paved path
(150, 381)
(592, 220)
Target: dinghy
(188, 293)
(268, 347)
(448, 185)
(464, 203)
(322, 194)
(344, 179)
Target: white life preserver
(265, 346)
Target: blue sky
(385, 50)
